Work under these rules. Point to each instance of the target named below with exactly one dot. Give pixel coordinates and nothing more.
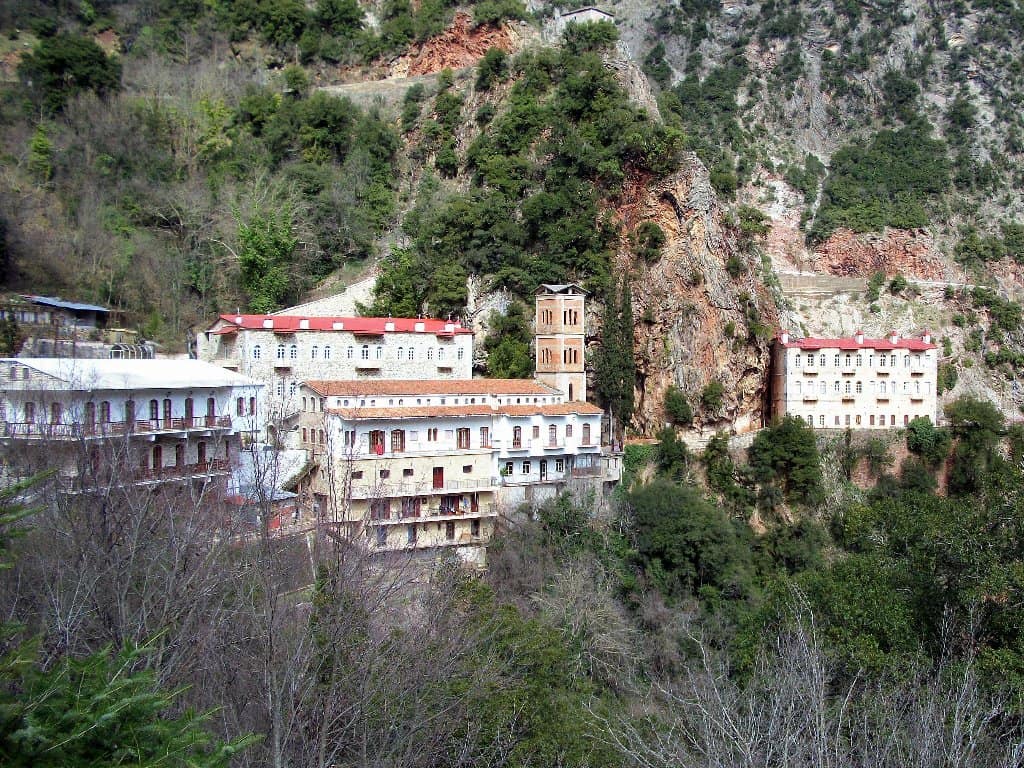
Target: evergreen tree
(508, 345)
(614, 364)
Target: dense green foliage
(787, 454)
(63, 65)
(508, 345)
(893, 180)
(614, 363)
(566, 140)
(677, 407)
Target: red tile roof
(413, 412)
(434, 411)
(557, 409)
(359, 387)
(851, 344)
(376, 326)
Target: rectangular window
(536, 431)
(467, 469)
(559, 465)
(526, 467)
(410, 534)
(407, 472)
(449, 530)
(463, 438)
(357, 475)
(474, 528)
(382, 535)
(509, 468)
(485, 437)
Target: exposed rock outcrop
(911, 253)
(461, 45)
(684, 304)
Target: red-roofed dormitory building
(855, 382)
(282, 351)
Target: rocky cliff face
(695, 323)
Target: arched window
(154, 410)
(350, 353)
(430, 353)
(257, 352)
(364, 353)
(552, 434)
(90, 416)
(280, 351)
(314, 352)
(412, 354)
(240, 406)
(906, 361)
(517, 437)
(292, 387)
(461, 353)
(327, 351)
(293, 352)
(440, 353)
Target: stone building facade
(417, 465)
(857, 382)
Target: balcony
(917, 374)
(281, 362)
(435, 515)
(848, 398)
(150, 476)
(554, 445)
(367, 364)
(810, 398)
(809, 372)
(849, 371)
(917, 398)
(882, 373)
(425, 488)
(37, 431)
(881, 399)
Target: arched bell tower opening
(561, 339)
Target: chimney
(304, 324)
(784, 337)
(926, 337)
(268, 322)
(859, 337)
(893, 337)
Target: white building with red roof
(282, 351)
(856, 382)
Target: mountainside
(175, 160)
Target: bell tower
(560, 339)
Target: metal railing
(61, 431)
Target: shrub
(711, 396)
(786, 453)
(493, 67)
(63, 65)
(649, 241)
(897, 285)
(684, 543)
(677, 407)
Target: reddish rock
(911, 253)
(457, 47)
